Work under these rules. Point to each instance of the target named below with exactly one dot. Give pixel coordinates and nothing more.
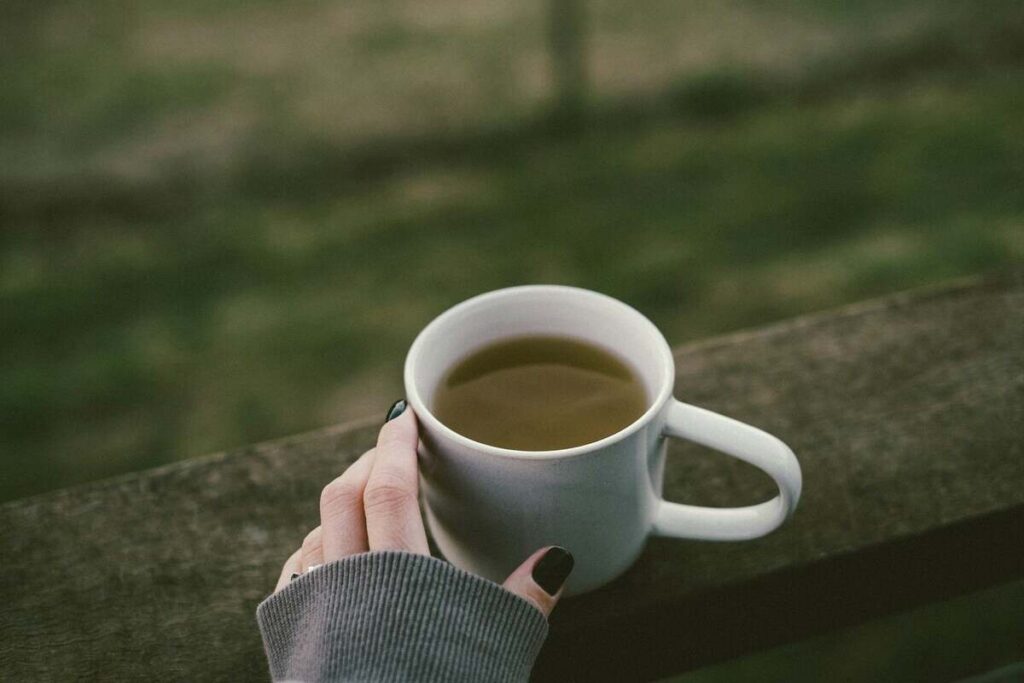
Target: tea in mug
(538, 393)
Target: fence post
(566, 29)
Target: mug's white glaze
(488, 508)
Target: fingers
(341, 511)
(390, 501)
(540, 579)
(373, 505)
(313, 549)
(293, 565)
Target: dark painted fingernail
(553, 569)
(396, 409)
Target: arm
(368, 603)
(398, 616)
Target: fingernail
(396, 409)
(553, 569)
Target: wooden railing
(907, 415)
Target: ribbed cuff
(397, 616)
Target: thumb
(540, 579)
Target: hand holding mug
(374, 505)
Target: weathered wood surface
(907, 414)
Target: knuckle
(340, 494)
(388, 495)
(312, 541)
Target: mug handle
(760, 449)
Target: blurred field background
(225, 221)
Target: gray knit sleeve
(397, 616)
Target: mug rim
(662, 394)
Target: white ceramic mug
(488, 508)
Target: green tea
(538, 393)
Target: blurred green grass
(225, 222)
